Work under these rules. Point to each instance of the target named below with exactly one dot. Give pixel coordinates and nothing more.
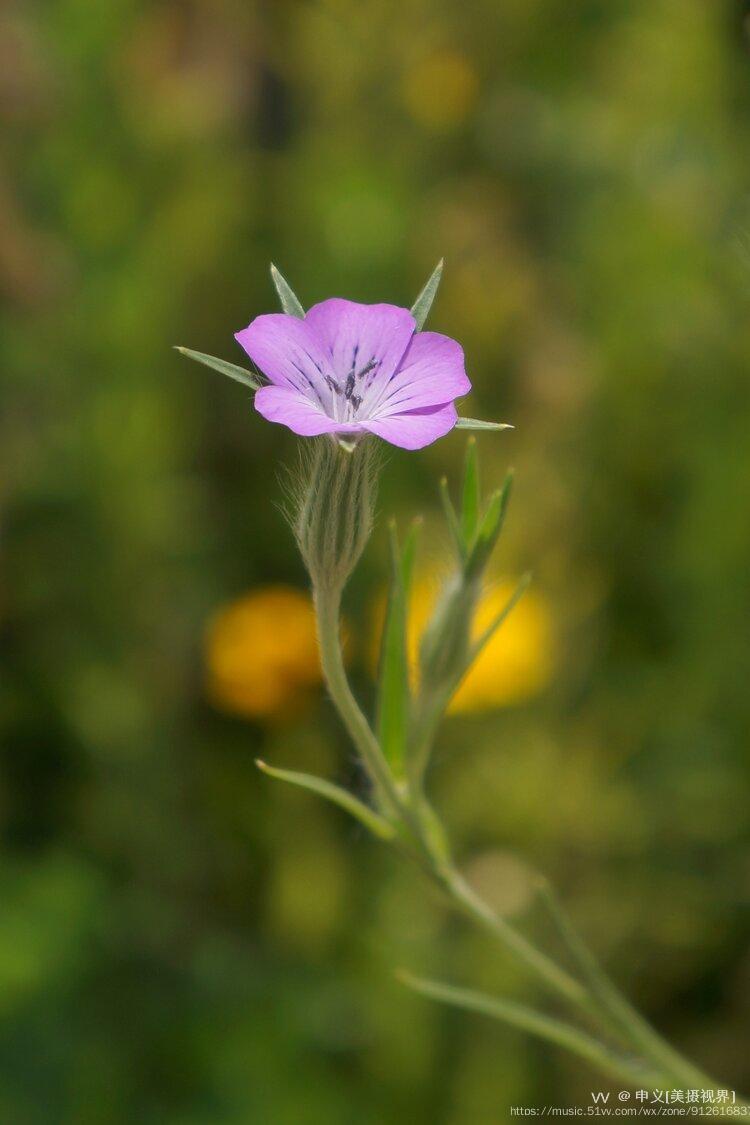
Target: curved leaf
(536, 1023)
(231, 370)
(376, 824)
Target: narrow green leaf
(239, 374)
(478, 424)
(471, 496)
(451, 518)
(376, 824)
(535, 1023)
(290, 302)
(444, 649)
(393, 685)
(409, 552)
(421, 308)
(489, 528)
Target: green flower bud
(333, 498)
(445, 645)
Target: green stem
(597, 997)
(468, 902)
(328, 613)
(425, 730)
(614, 1006)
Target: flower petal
(414, 428)
(289, 354)
(295, 410)
(363, 342)
(431, 372)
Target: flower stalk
(328, 611)
(339, 373)
(332, 521)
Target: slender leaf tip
(372, 820)
(478, 424)
(420, 310)
(290, 302)
(223, 366)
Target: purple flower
(347, 369)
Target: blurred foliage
(514, 665)
(181, 939)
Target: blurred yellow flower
(514, 666)
(441, 89)
(262, 654)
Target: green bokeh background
(183, 941)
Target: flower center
(348, 394)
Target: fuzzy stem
(328, 613)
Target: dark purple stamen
(367, 368)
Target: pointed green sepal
(393, 685)
(471, 497)
(290, 302)
(420, 310)
(478, 424)
(376, 824)
(231, 370)
(490, 527)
